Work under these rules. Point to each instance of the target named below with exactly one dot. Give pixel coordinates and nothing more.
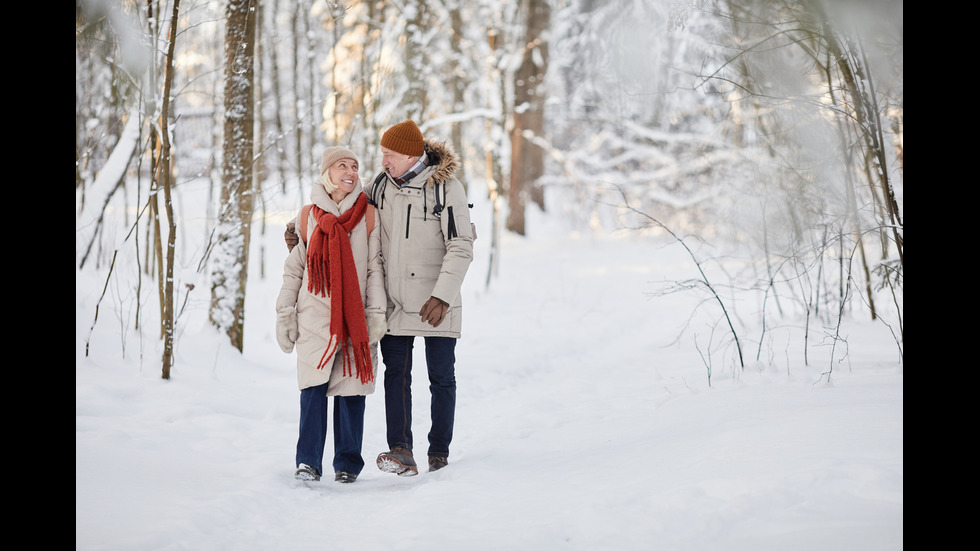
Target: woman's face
(343, 174)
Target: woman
(332, 308)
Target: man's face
(396, 164)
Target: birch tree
(166, 182)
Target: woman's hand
(376, 324)
(287, 328)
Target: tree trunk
(155, 258)
(273, 49)
(527, 159)
(493, 167)
(297, 13)
(312, 105)
(166, 182)
(416, 57)
(230, 265)
(458, 83)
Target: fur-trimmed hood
(443, 158)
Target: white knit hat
(333, 154)
(330, 156)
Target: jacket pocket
(420, 280)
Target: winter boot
(436, 463)
(306, 472)
(398, 461)
(345, 477)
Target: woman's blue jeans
(440, 359)
(348, 430)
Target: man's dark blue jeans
(348, 430)
(440, 359)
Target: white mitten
(377, 326)
(287, 328)
(324, 180)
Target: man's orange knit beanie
(405, 138)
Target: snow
(585, 420)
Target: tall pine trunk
(230, 259)
(527, 159)
(415, 100)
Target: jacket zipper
(452, 225)
(408, 219)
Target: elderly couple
(379, 265)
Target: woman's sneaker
(398, 461)
(306, 472)
(345, 477)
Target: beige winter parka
(426, 243)
(313, 311)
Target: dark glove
(434, 311)
(291, 238)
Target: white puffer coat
(426, 243)
(313, 311)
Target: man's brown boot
(436, 463)
(398, 461)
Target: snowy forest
(764, 137)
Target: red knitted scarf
(332, 272)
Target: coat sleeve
(459, 243)
(292, 277)
(377, 300)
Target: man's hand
(434, 311)
(290, 236)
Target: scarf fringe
(362, 361)
(328, 353)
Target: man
(426, 249)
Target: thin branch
(704, 278)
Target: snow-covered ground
(585, 420)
